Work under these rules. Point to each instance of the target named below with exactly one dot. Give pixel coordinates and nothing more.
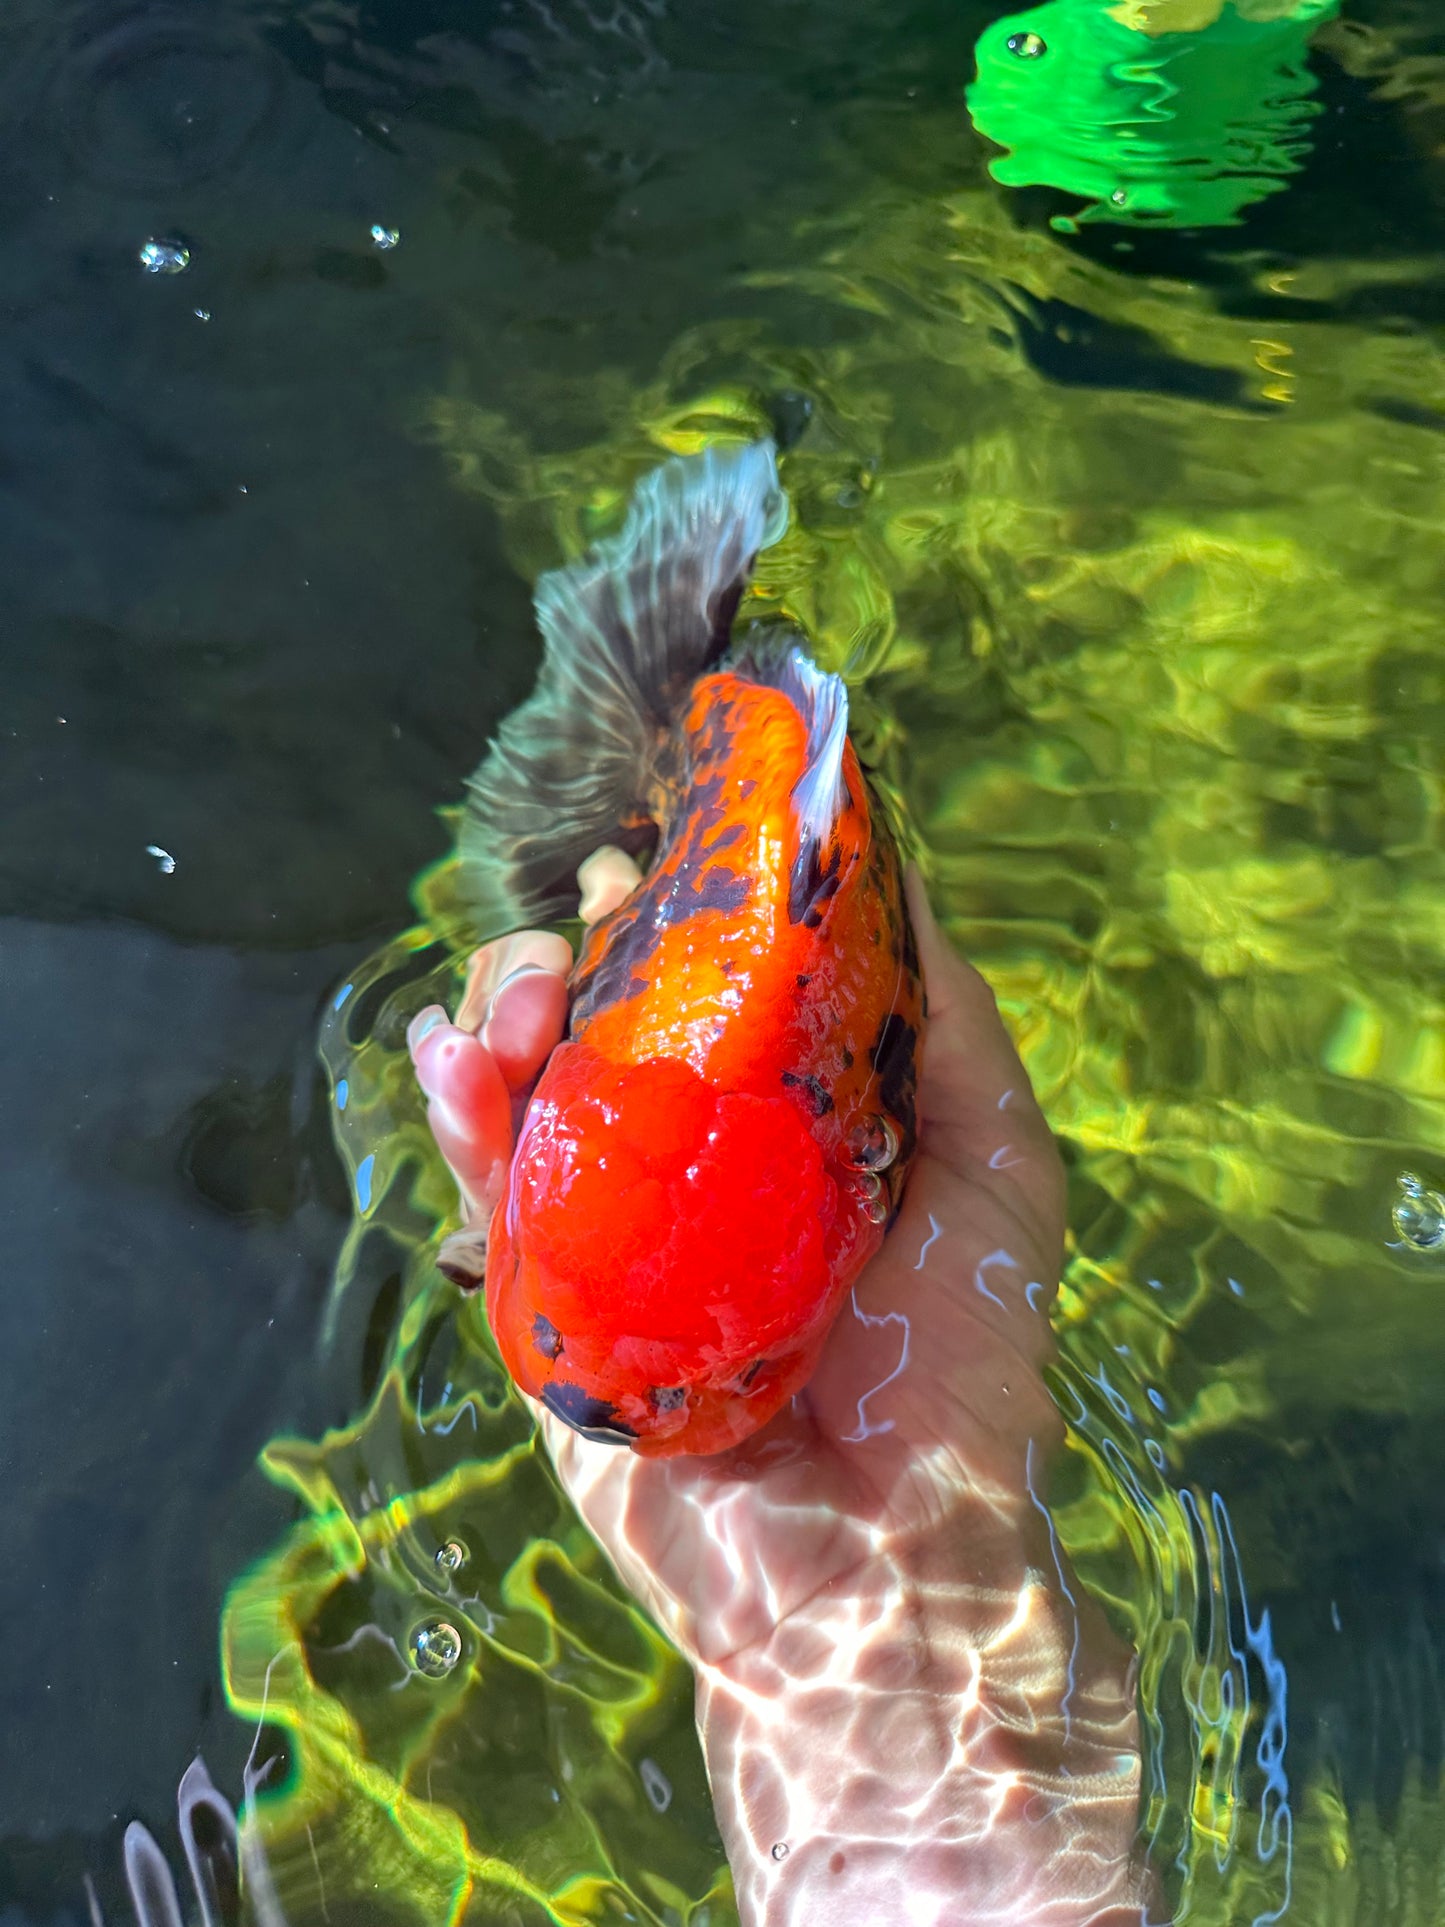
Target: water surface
(1129, 541)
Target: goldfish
(713, 1152)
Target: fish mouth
(594, 1418)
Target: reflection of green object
(1172, 128)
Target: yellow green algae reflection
(1157, 685)
(1170, 113)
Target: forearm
(917, 1759)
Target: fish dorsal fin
(625, 631)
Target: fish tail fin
(625, 631)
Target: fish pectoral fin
(820, 795)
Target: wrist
(899, 1754)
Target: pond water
(326, 327)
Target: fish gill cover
(1159, 691)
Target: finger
(970, 1057)
(468, 1105)
(490, 967)
(526, 1022)
(974, 1088)
(606, 879)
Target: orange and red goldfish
(712, 1155)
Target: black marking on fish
(847, 1058)
(716, 888)
(910, 942)
(546, 1337)
(813, 1089)
(676, 888)
(594, 1418)
(749, 1377)
(894, 1057)
(812, 884)
(667, 1398)
(804, 978)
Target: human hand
(910, 1711)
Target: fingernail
(512, 977)
(423, 1024)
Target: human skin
(911, 1713)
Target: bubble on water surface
(872, 1195)
(1027, 46)
(435, 1647)
(165, 256)
(1419, 1214)
(873, 1144)
(451, 1557)
(384, 238)
(780, 1851)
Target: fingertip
(606, 880)
(490, 966)
(527, 1020)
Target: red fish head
(668, 1257)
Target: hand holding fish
(809, 1450)
(910, 1712)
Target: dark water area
(263, 609)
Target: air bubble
(872, 1196)
(1419, 1214)
(159, 256)
(1027, 46)
(780, 1851)
(452, 1557)
(436, 1646)
(384, 238)
(873, 1144)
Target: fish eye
(594, 1418)
(546, 1337)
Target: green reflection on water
(1172, 113)
(1157, 685)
